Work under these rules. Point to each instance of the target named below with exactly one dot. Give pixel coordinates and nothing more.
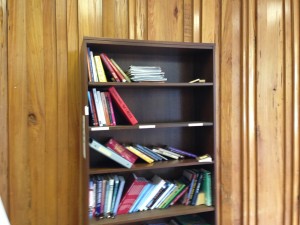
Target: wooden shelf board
(148, 84)
(152, 214)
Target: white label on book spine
(86, 110)
(195, 124)
(99, 128)
(146, 126)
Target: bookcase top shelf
(153, 125)
(175, 210)
(150, 166)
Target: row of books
(112, 195)
(101, 107)
(126, 155)
(101, 68)
(191, 219)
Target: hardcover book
(109, 67)
(109, 153)
(119, 195)
(122, 106)
(121, 150)
(134, 185)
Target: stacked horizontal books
(146, 73)
(111, 195)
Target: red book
(121, 150)
(134, 186)
(121, 104)
(109, 67)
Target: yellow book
(200, 198)
(140, 154)
(100, 69)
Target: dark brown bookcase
(175, 113)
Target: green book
(170, 198)
(207, 187)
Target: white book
(163, 196)
(165, 153)
(109, 193)
(99, 107)
(94, 67)
(158, 183)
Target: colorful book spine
(119, 195)
(121, 150)
(207, 187)
(140, 154)
(92, 108)
(100, 69)
(120, 70)
(90, 78)
(140, 197)
(110, 108)
(109, 153)
(93, 66)
(148, 152)
(197, 188)
(99, 182)
(134, 187)
(115, 192)
(181, 152)
(168, 190)
(119, 74)
(109, 67)
(105, 109)
(122, 106)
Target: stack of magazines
(146, 73)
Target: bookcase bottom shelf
(153, 214)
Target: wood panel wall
(257, 89)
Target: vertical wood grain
(3, 106)
(270, 105)
(249, 155)
(73, 110)
(121, 25)
(188, 21)
(141, 20)
(108, 8)
(230, 111)
(62, 112)
(196, 20)
(20, 193)
(165, 20)
(208, 17)
(132, 19)
(296, 114)
(51, 115)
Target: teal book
(115, 192)
(119, 195)
(207, 187)
(140, 197)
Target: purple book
(181, 152)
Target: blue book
(115, 192)
(99, 182)
(149, 189)
(119, 195)
(140, 197)
(148, 152)
(197, 188)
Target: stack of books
(146, 73)
(111, 195)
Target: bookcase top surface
(150, 43)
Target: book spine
(130, 196)
(103, 194)
(121, 150)
(105, 110)
(123, 107)
(109, 67)
(119, 195)
(197, 188)
(120, 70)
(140, 154)
(147, 152)
(93, 109)
(110, 187)
(99, 108)
(164, 195)
(109, 153)
(98, 195)
(99, 68)
(93, 66)
(120, 76)
(110, 109)
(115, 192)
(179, 195)
(91, 197)
(89, 67)
(165, 153)
(181, 152)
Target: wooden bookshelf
(175, 113)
